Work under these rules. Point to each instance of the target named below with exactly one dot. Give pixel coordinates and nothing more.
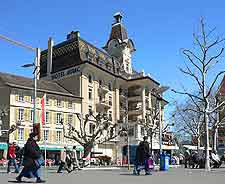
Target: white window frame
(46, 135)
(58, 118)
(20, 134)
(21, 98)
(31, 115)
(59, 103)
(58, 136)
(21, 115)
(70, 105)
(90, 95)
(47, 117)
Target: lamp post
(35, 72)
(37, 61)
(159, 99)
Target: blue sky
(159, 30)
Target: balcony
(135, 111)
(136, 98)
(103, 89)
(103, 105)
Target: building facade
(17, 96)
(106, 82)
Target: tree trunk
(215, 139)
(198, 143)
(207, 163)
(151, 144)
(87, 149)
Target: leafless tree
(3, 114)
(103, 131)
(188, 122)
(199, 63)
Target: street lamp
(158, 92)
(35, 72)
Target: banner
(43, 109)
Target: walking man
(12, 157)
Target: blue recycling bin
(164, 162)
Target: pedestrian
(75, 163)
(19, 156)
(142, 156)
(11, 156)
(64, 162)
(187, 157)
(32, 161)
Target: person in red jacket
(12, 157)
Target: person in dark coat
(32, 155)
(142, 156)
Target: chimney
(73, 34)
(50, 51)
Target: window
(21, 115)
(46, 135)
(32, 99)
(21, 98)
(90, 94)
(110, 115)
(70, 105)
(90, 109)
(58, 136)
(100, 82)
(127, 67)
(59, 103)
(90, 79)
(110, 86)
(47, 100)
(70, 118)
(110, 100)
(142, 131)
(20, 134)
(91, 128)
(47, 117)
(58, 118)
(31, 115)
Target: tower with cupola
(119, 45)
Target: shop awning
(3, 146)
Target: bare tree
(3, 114)
(102, 131)
(200, 63)
(188, 122)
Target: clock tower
(119, 45)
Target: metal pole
(128, 139)
(160, 132)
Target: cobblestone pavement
(123, 176)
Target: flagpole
(43, 102)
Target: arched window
(90, 79)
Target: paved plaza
(123, 176)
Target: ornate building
(106, 81)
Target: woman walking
(32, 160)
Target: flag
(43, 109)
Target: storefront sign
(66, 73)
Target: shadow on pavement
(14, 181)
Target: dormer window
(90, 80)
